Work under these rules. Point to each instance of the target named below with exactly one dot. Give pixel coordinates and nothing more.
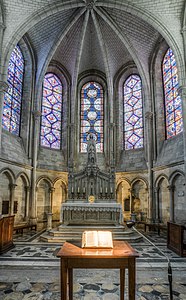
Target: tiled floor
(30, 271)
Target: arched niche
(43, 199)
(163, 201)
(60, 196)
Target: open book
(97, 239)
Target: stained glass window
(91, 115)
(133, 113)
(13, 98)
(51, 120)
(173, 102)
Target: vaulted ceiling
(90, 34)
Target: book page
(97, 239)
(90, 239)
(105, 239)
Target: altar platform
(74, 213)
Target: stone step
(69, 233)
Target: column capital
(4, 86)
(12, 186)
(51, 189)
(171, 187)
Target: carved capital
(12, 186)
(4, 86)
(171, 188)
(51, 189)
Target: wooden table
(122, 256)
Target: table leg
(132, 278)
(63, 279)
(122, 283)
(70, 283)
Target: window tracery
(51, 119)
(172, 100)
(91, 115)
(13, 98)
(133, 113)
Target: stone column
(49, 221)
(171, 196)
(3, 90)
(12, 197)
(36, 116)
(51, 191)
(149, 127)
(156, 194)
(182, 93)
(130, 193)
(27, 197)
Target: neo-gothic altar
(91, 194)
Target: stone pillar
(49, 221)
(149, 127)
(12, 197)
(171, 196)
(156, 194)
(51, 191)
(182, 93)
(130, 193)
(3, 90)
(27, 197)
(36, 116)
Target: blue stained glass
(50, 135)
(91, 115)
(172, 101)
(133, 113)
(13, 98)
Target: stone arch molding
(23, 176)
(47, 179)
(160, 178)
(9, 173)
(60, 179)
(139, 179)
(174, 175)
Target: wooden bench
(175, 238)
(20, 227)
(153, 226)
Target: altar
(91, 214)
(91, 195)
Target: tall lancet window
(51, 120)
(172, 100)
(13, 98)
(133, 113)
(91, 115)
